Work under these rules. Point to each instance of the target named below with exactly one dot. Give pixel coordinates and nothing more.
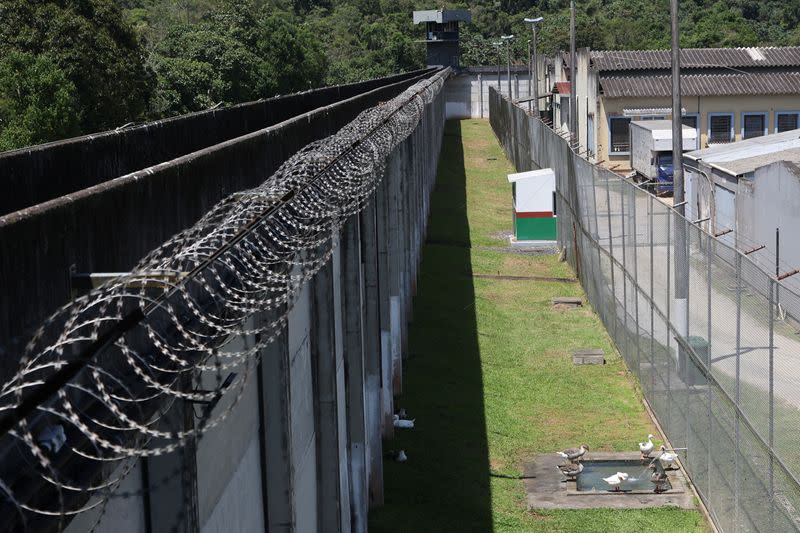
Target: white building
(747, 190)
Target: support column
(277, 437)
(372, 351)
(172, 478)
(328, 370)
(382, 207)
(480, 97)
(395, 175)
(355, 376)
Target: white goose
(646, 447)
(666, 457)
(616, 480)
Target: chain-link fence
(721, 371)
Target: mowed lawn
(489, 377)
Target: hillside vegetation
(76, 66)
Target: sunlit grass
(490, 380)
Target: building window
(565, 112)
(653, 117)
(693, 121)
(720, 128)
(618, 135)
(754, 125)
(786, 121)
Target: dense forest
(76, 66)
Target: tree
(291, 57)
(37, 101)
(90, 43)
(720, 26)
(235, 54)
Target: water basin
(594, 471)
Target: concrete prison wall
(302, 451)
(33, 175)
(108, 227)
(468, 91)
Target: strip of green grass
(490, 379)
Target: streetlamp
(535, 67)
(573, 101)
(530, 75)
(508, 39)
(497, 45)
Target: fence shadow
(444, 485)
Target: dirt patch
(478, 163)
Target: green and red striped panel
(534, 226)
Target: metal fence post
(636, 283)
(777, 268)
(652, 298)
(624, 277)
(710, 241)
(599, 274)
(771, 406)
(669, 319)
(611, 255)
(737, 397)
(687, 360)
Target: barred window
(720, 128)
(786, 121)
(754, 125)
(692, 122)
(619, 134)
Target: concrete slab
(546, 490)
(532, 245)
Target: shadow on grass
(444, 485)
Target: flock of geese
(573, 467)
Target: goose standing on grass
(658, 479)
(574, 454)
(616, 480)
(400, 422)
(570, 471)
(666, 457)
(646, 447)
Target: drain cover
(591, 356)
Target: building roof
(616, 60)
(649, 111)
(442, 15)
(492, 69)
(710, 84)
(662, 129)
(746, 156)
(562, 87)
(542, 172)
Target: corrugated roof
(730, 84)
(562, 87)
(442, 15)
(751, 164)
(746, 156)
(615, 60)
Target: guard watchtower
(441, 34)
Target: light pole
(573, 101)
(497, 45)
(508, 39)
(535, 69)
(530, 75)
(681, 257)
